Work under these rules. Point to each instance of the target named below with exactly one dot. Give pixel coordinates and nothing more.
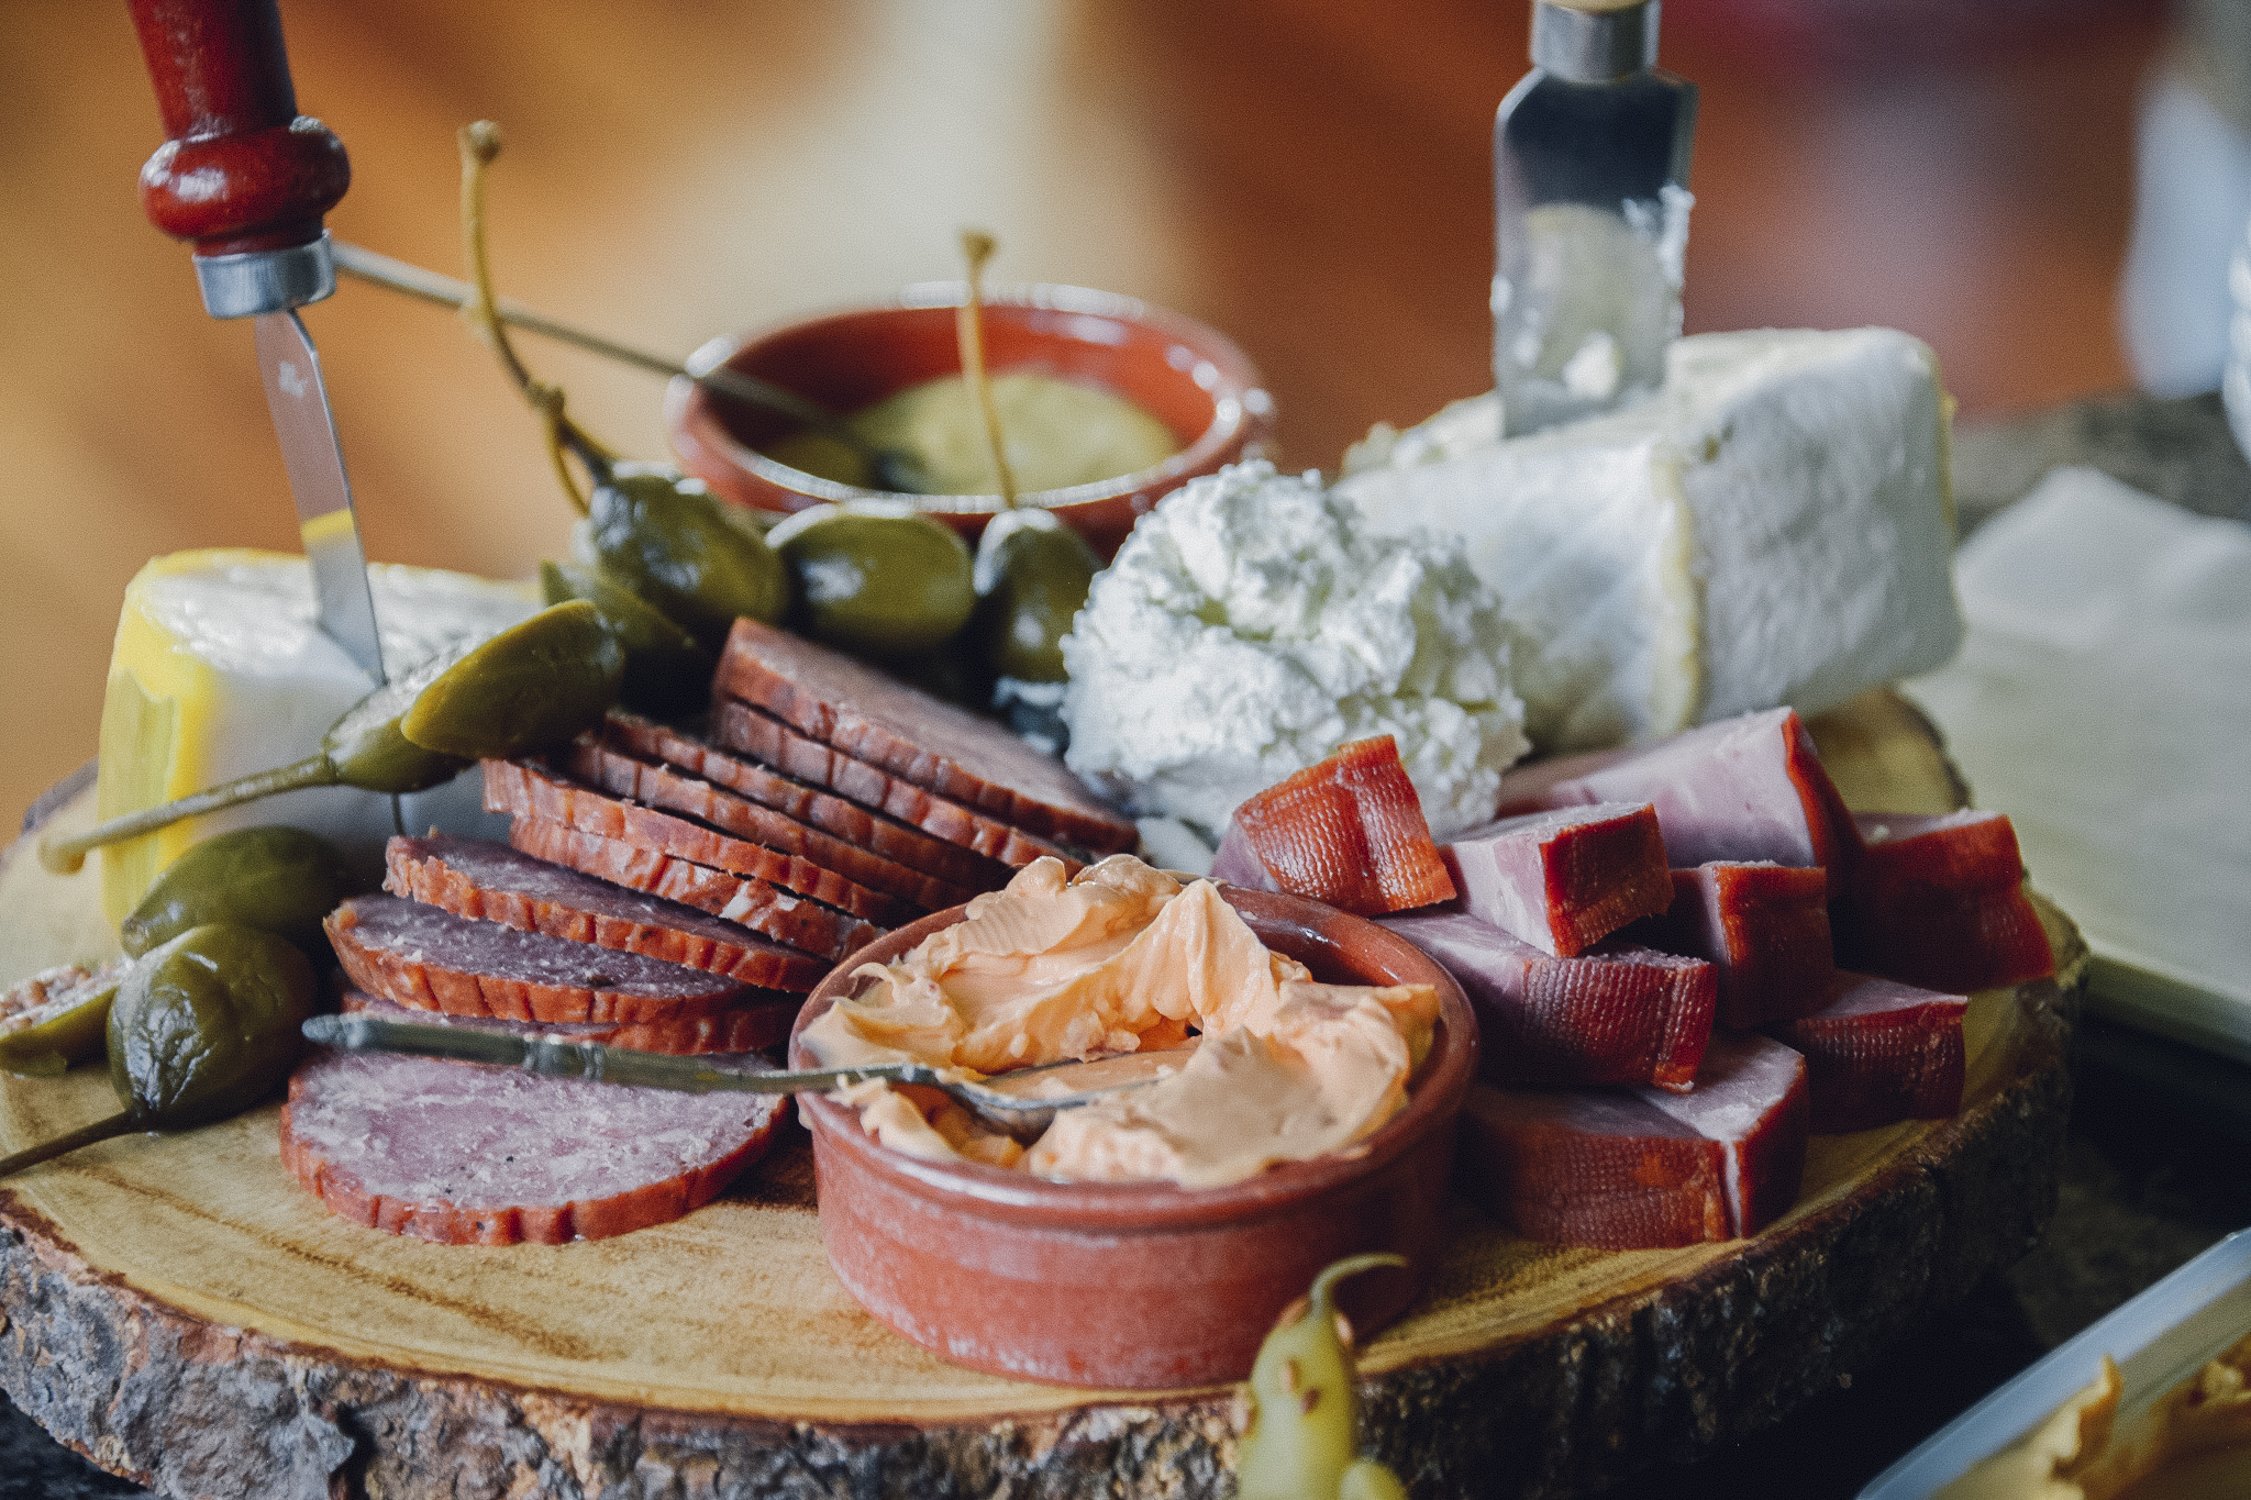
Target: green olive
(536, 684)
(206, 1025)
(1033, 572)
(277, 879)
(877, 577)
(665, 670)
(58, 1018)
(686, 551)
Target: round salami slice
(751, 1027)
(472, 878)
(466, 1155)
(419, 956)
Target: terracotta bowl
(1186, 375)
(1142, 1285)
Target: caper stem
(124, 1122)
(64, 856)
(969, 332)
(480, 146)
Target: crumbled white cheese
(1251, 624)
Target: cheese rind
(219, 670)
(1773, 527)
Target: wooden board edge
(1672, 1371)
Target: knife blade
(343, 604)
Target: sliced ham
(1623, 1015)
(488, 1156)
(623, 775)
(1940, 901)
(492, 882)
(757, 904)
(848, 820)
(1348, 830)
(1750, 1096)
(1593, 1168)
(523, 789)
(1564, 879)
(1879, 1052)
(1765, 928)
(751, 732)
(1747, 788)
(935, 744)
(753, 1026)
(427, 959)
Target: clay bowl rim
(1433, 1099)
(1242, 408)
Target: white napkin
(2103, 701)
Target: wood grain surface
(162, 1288)
(1309, 175)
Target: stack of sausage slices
(670, 889)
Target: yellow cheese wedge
(219, 670)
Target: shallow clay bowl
(1142, 1285)
(1188, 376)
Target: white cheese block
(1774, 527)
(219, 670)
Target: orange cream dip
(1126, 958)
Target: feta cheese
(1773, 527)
(1251, 624)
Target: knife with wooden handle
(244, 178)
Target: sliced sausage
(754, 733)
(492, 882)
(624, 775)
(926, 740)
(864, 826)
(419, 956)
(756, 904)
(526, 790)
(489, 1156)
(751, 1027)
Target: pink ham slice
(881, 720)
(1598, 1169)
(1750, 1096)
(1764, 927)
(1940, 901)
(1879, 1052)
(1747, 788)
(1623, 1015)
(495, 883)
(427, 959)
(1348, 830)
(755, 1025)
(1564, 879)
(487, 1156)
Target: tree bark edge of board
(196, 1411)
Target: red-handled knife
(245, 179)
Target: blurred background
(1310, 175)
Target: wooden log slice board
(178, 1310)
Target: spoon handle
(554, 1057)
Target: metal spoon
(1020, 1104)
